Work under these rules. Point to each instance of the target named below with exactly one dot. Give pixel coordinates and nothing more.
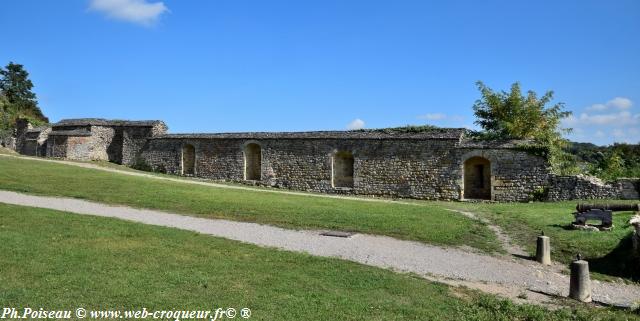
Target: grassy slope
(606, 251)
(427, 224)
(56, 260)
(7, 151)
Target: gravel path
(453, 266)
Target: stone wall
(99, 142)
(8, 142)
(22, 126)
(588, 187)
(112, 141)
(80, 148)
(135, 138)
(516, 175)
(413, 168)
(34, 142)
(440, 164)
(69, 147)
(57, 147)
(628, 188)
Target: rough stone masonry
(438, 164)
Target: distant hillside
(607, 162)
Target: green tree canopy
(7, 120)
(19, 99)
(512, 115)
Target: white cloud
(597, 107)
(613, 121)
(355, 124)
(136, 11)
(442, 116)
(621, 118)
(435, 116)
(619, 103)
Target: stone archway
(252, 162)
(477, 178)
(188, 160)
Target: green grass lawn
(607, 252)
(55, 260)
(428, 224)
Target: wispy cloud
(435, 116)
(356, 124)
(136, 11)
(617, 119)
(441, 116)
(619, 103)
(613, 121)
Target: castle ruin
(437, 164)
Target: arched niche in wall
(252, 162)
(188, 160)
(477, 178)
(342, 169)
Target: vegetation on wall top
(512, 115)
(17, 100)
(408, 129)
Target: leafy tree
(5, 118)
(19, 99)
(613, 166)
(512, 115)
(4, 111)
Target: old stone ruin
(87, 139)
(439, 164)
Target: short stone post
(580, 283)
(543, 250)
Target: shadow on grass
(621, 262)
(566, 227)
(524, 257)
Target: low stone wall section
(588, 187)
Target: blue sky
(222, 65)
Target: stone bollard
(543, 250)
(580, 283)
